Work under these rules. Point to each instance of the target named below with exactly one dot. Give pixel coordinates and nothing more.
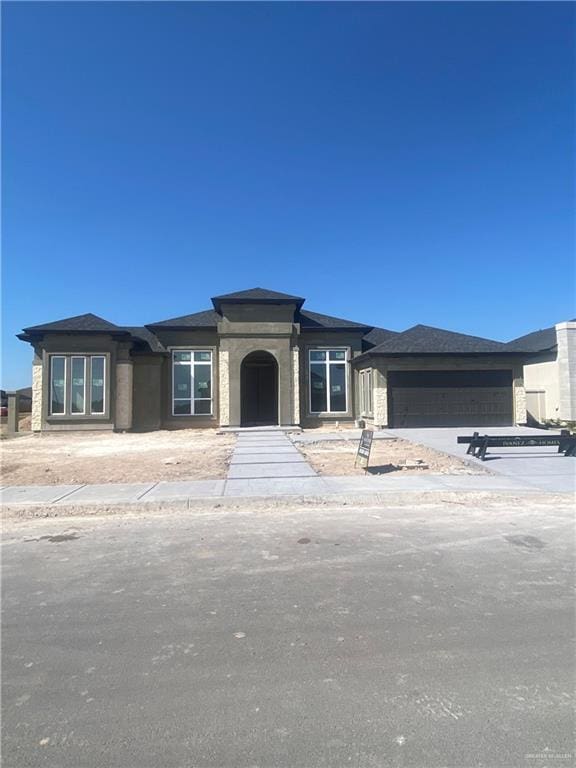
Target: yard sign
(363, 455)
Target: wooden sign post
(364, 446)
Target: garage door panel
(440, 402)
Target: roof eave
(296, 301)
(153, 327)
(373, 353)
(363, 329)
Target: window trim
(365, 387)
(86, 416)
(51, 373)
(328, 363)
(192, 363)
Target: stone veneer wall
(296, 385)
(37, 395)
(224, 386)
(380, 397)
(520, 412)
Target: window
(191, 382)
(57, 385)
(70, 376)
(78, 384)
(365, 392)
(328, 381)
(97, 368)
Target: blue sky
(395, 163)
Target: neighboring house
(258, 357)
(25, 403)
(549, 372)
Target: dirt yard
(337, 457)
(24, 424)
(61, 458)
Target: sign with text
(364, 446)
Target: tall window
(57, 385)
(328, 381)
(77, 385)
(365, 392)
(191, 382)
(78, 391)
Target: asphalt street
(424, 634)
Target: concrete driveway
(543, 468)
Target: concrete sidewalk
(191, 490)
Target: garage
(482, 398)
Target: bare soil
(24, 424)
(337, 457)
(108, 457)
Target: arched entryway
(259, 389)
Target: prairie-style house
(260, 357)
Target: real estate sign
(364, 446)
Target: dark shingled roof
(423, 340)
(257, 294)
(379, 336)
(308, 321)
(262, 295)
(534, 342)
(88, 323)
(208, 318)
(314, 320)
(144, 339)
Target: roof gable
(424, 339)
(87, 323)
(256, 295)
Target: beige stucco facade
(550, 379)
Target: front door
(259, 383)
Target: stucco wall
(147, 392)
(566, 339)
(124, 386)
(541, 377)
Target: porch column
(224, 386)
(124, 387)
(380, 397)
(519, 394)
(36, 422)
(295, 385)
